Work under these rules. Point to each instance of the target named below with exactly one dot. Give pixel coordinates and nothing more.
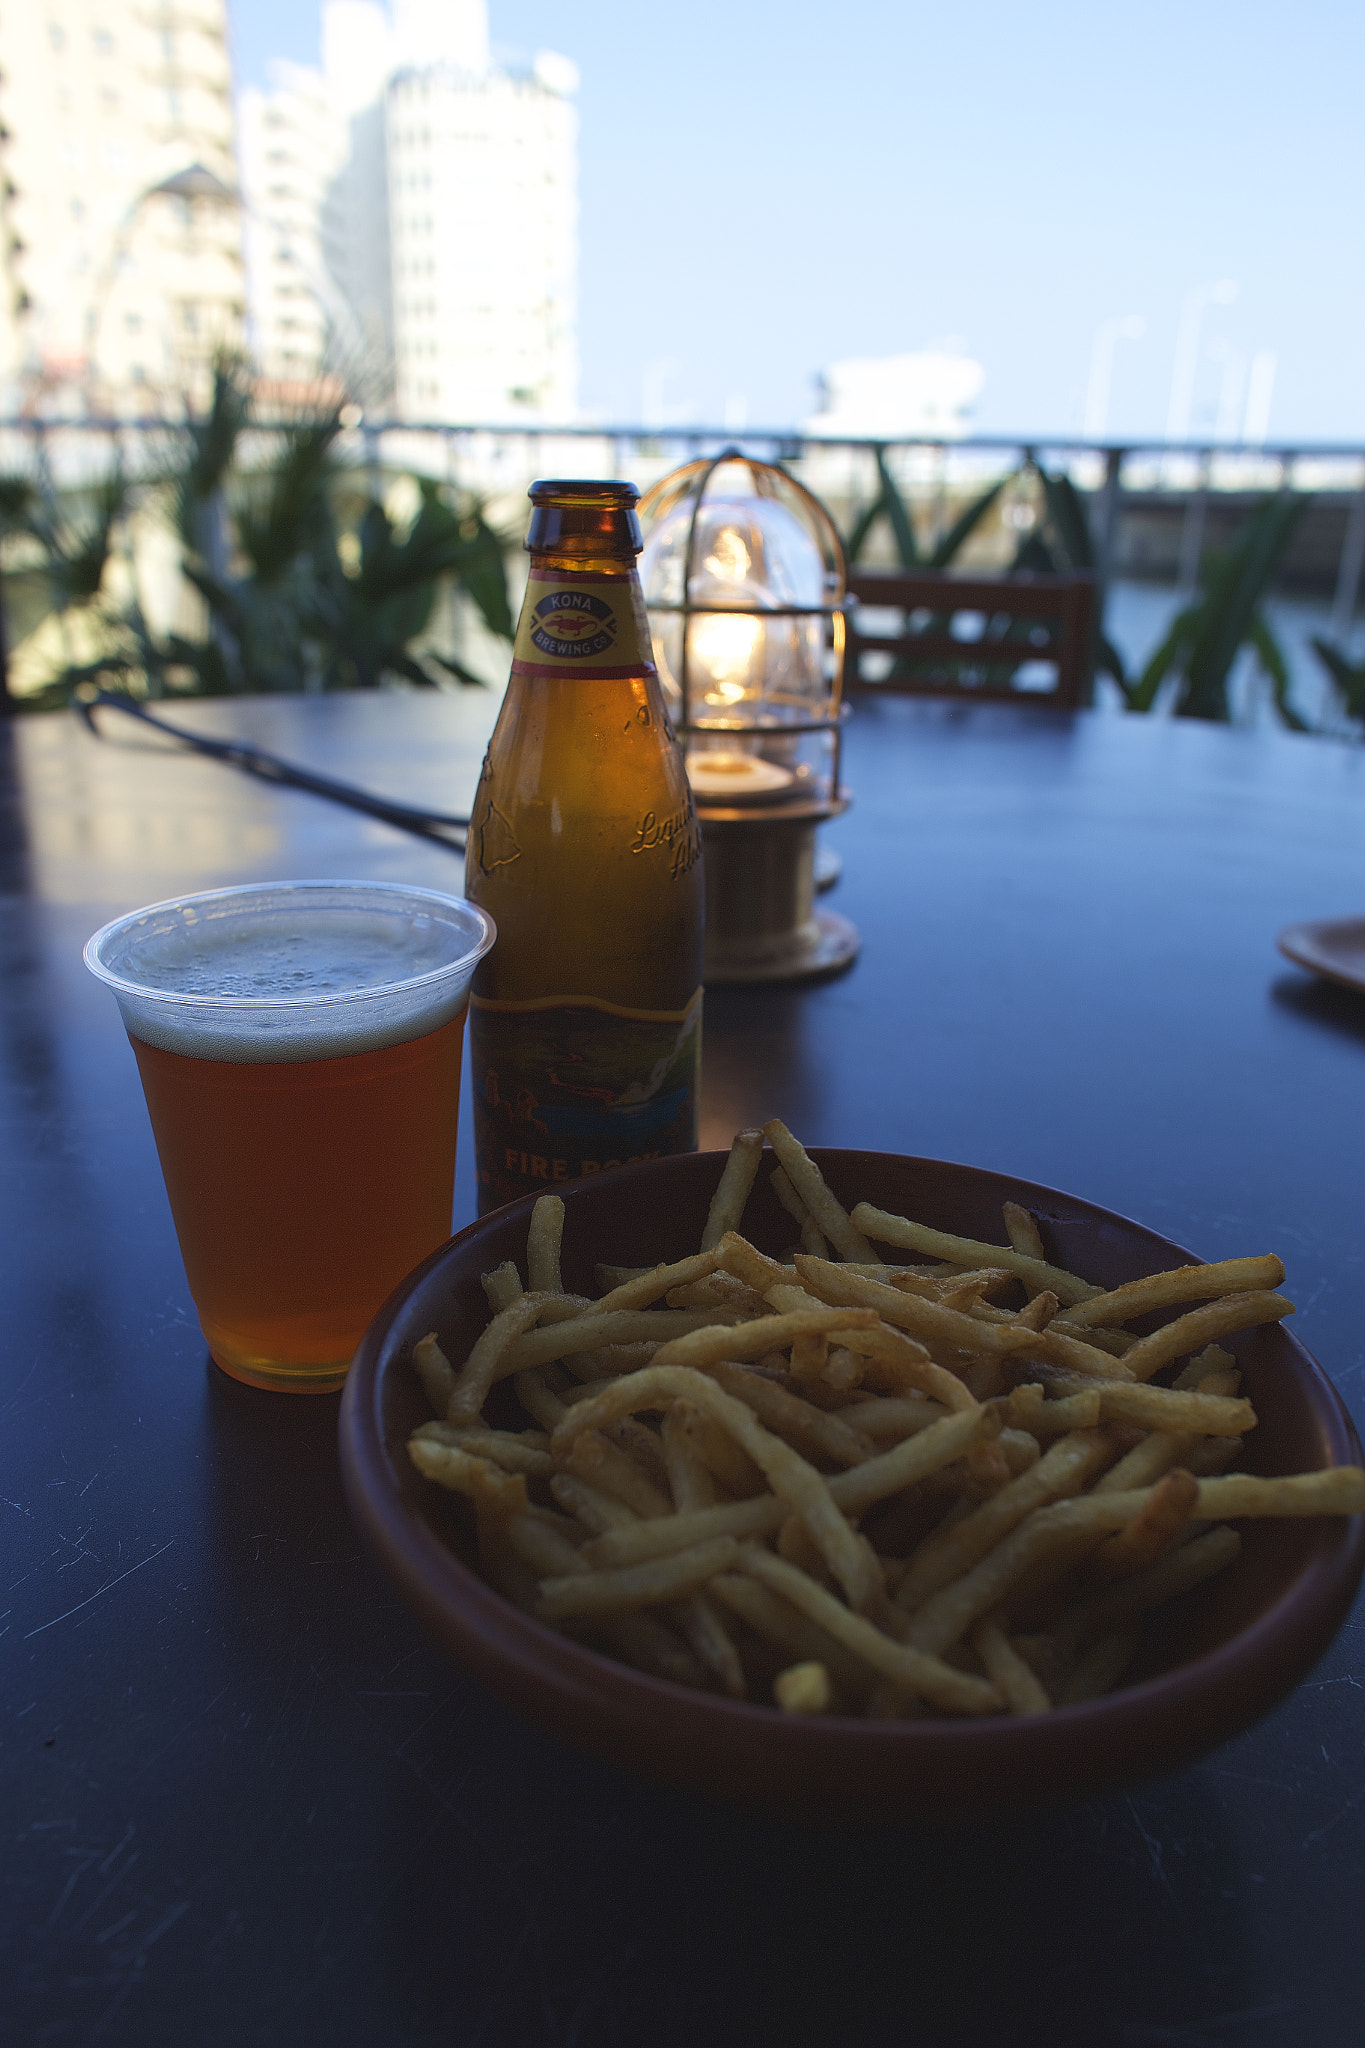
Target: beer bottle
(585, 1020)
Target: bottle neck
(563, 562)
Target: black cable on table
(439, 825)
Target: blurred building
(483, 210)
(929, 392)
(121, 237)
(413, 217)
(317, 226)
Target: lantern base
(761, 923)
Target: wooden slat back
(935, 663)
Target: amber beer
(585, 1022)
(300, 1054)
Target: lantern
(743, 577)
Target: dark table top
(246, 1802)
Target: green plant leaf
(1072, 546)
(861, 528)
(1348, 677)
(964, 526)
(1234, 584)
(897, 512)
(463, 675)
(1142, 691)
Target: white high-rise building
(120, 241)
(313, 172)
(483, 214)
(413, 217)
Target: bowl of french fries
(851, 1484)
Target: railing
(1154, 507)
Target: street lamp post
(1108, 335)
(1186, 367)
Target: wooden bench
(978, 637)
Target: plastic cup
(299, 1045)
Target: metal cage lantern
(743, 576)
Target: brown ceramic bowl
(1211, 1664)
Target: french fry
(1182, 1283)
(644, 1640)
(589, 1332)
(854, 1492)
(826, 1212)
(1100, 1668)
(711, 1345)
(929, 1321)
(811, 1430)
(636, 1541)
(1152, 1407)
(1048, 1532)
(543, 1241)
(503, 1287)
(502, 1447)
(589, 1505)
(732, 1191)
(540, 1403)
(810, 1357)
(949, 1553)
(1022, 1232)
(1150, 1534)
(803, 1689)
(1191, 1332)
(1021, 1450)
(435, 1371)
(966, 1251)
(1040, 1311)
(661, 1581)
(477, 1478)
(690, 1481)
(604, 1465)
(1076, 1355)
(789, 1631)
(643, 1288)
(719, 1290)
(786, 1470)
(1340, 1490)
(927, 1675)
(812, 1239)
(1176, 1573)
(750, 1265)
(1210, 1362)
(893, 1418)
(706, 1633)
(732, 1467)
(1028, 1408)
(1116, 1342)
(484, 1363)
(1016, 1683)
(896, 1363)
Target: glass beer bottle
(585, 1021)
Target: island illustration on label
(570, 1086)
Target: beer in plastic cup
(299, 1045)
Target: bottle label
(569, 1086)
(584, 624)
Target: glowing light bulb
(727, 653)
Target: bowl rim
(1226, 1687)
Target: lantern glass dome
(743, 579)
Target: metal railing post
(1349, 566)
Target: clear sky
(770, 185)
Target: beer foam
(291, 972)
